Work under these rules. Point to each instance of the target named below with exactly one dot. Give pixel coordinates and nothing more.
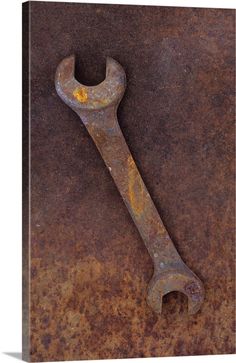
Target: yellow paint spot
(100, 102)
(104, 101)
(135, 188)
(81, 94)
(161, 228)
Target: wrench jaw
(64, 80)
(183, 281)
(83, 98)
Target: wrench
(97, 108)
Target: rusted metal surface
(97, 106)
(89, 268)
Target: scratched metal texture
(89, 268)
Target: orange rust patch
(81, 94)
(135, 188)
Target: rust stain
(81, 94)
(135, 188)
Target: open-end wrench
(97, 108)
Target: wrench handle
(113, 148)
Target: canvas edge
(25, 181)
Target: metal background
(89, 268)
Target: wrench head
(88, 98)
(183, 281)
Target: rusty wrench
(97, 106)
